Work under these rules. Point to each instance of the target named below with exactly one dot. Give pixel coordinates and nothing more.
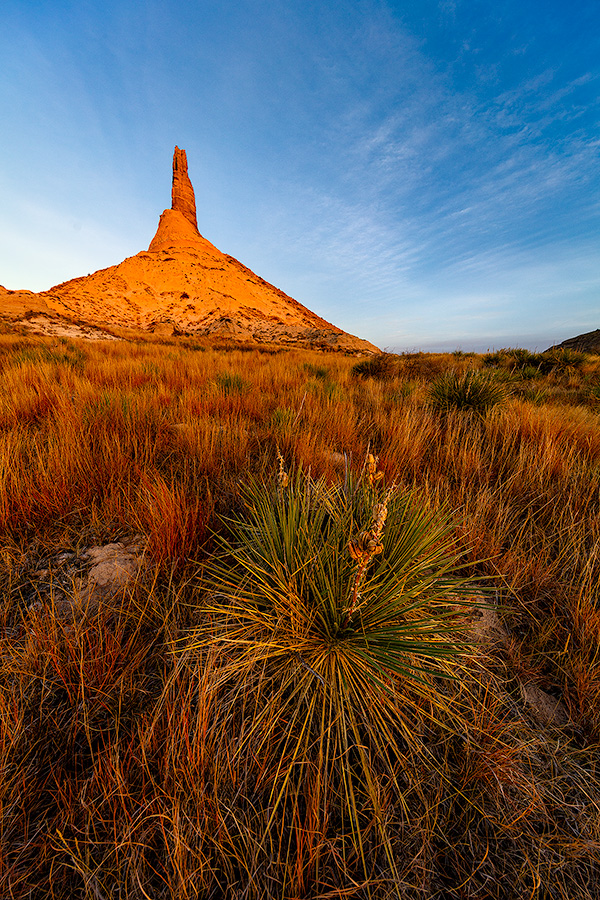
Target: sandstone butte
(183, 284)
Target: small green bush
(530, 372)
(422, 366)
(65, 353)
(477, 392)
(537, 396)
(401, 393)
(513, 359)
(282, 420)
(594, 394)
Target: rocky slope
(183, 283)
(15, 304)
(588, 342)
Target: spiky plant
(330, 610)
(563, 360)
(477, 392)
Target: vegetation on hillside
(362, 659)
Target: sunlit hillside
(353, 645)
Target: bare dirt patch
(58, 327)
(74, 584)
(548, 710)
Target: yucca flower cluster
(283, 478)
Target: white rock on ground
(113, 566)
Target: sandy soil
(57, 327)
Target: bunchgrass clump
(320, 372)
(513, 359)
(230, 383)
(476, 392)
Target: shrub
(477, 392)
(382, 366)
(282, 419)
(593, 396)
(65, 353)
(425, 366)
(537, 396)
(561, 360)
(404, 390)
(530, 372)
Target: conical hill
(185, 283)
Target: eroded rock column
(182, 192)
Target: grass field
(301, 695)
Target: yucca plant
(562, 360)
(331, 608)
(477, 392)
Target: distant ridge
(588, 342)
(184, 284)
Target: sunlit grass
(247, 719)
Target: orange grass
(120, 770)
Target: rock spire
(182, 192)
(183, 284)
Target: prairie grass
(187, 737)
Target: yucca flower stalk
(282, 476)
(368, 543)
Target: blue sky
(423, 174)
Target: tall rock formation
(182, 192)
(184, 283)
